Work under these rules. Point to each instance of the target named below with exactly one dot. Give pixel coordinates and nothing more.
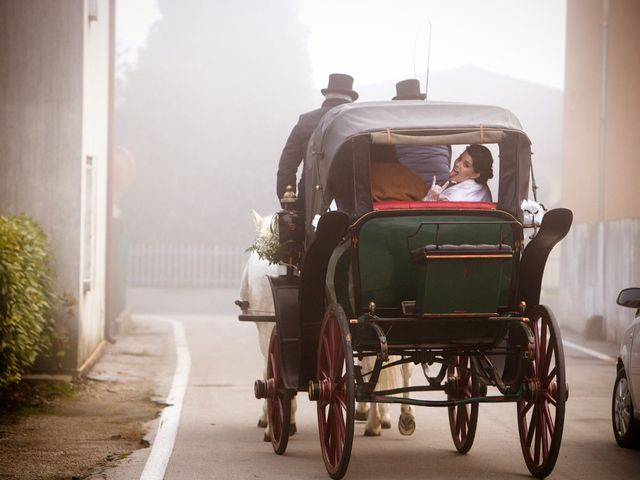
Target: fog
(207, 93)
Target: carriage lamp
(289, 198)
(522, 306)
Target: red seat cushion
(396, 205)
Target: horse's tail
(389, 377)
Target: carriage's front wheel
(541, 411)
(278, 398)
(335, 391)
(463, 419)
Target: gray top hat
(341, 83)
(409, 90)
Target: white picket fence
(185, 266)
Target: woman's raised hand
(435, 192)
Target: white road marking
(588, 351)
(165, 437)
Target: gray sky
(377, 40)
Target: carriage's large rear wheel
(541, 412)
(335, 391)
(463, 419)
(278, 398)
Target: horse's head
(255, 287)
(263, 224)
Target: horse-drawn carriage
(455, 284)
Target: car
(625, 405)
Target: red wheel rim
(336, 398)
(279, 402)
(541, 412)
(463, 419)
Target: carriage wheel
(541, 411)
(336, 406)
(463, 419)
(278, 398)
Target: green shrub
(26, 296)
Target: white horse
(255, 289)
(377, 414)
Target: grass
(33, 397)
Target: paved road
(218, 437)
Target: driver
(338, 91)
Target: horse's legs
(373, 427)
(369, 411)
(362, 410)
(385, 415)
(294, 406)
(407, 422)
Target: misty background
(207, 93)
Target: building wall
(95, 128)
(54, 113)
(599, 256)
(623, 111)
(582, 109)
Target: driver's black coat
(295, 149)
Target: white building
(55, 95)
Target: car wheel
(626, 427)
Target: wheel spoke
(527, 408)
(537, 441)
(336, 352)
(531, 427)
(543, 435)
(455, 420)
(550, 399)
(625, 415)
(277, 417)
(327, 355)
(328, 422)
(459, 420)
(550, 377)
(465, 423)
(547, 360)
(548, 420)
(536, 357)
(543, 346)
(338, 362)
(340, 400)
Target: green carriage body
(467, 279)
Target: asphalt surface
(218, 436)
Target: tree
(206, 114)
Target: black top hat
(409, 90)
(341, 83)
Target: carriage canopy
(340, 150)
